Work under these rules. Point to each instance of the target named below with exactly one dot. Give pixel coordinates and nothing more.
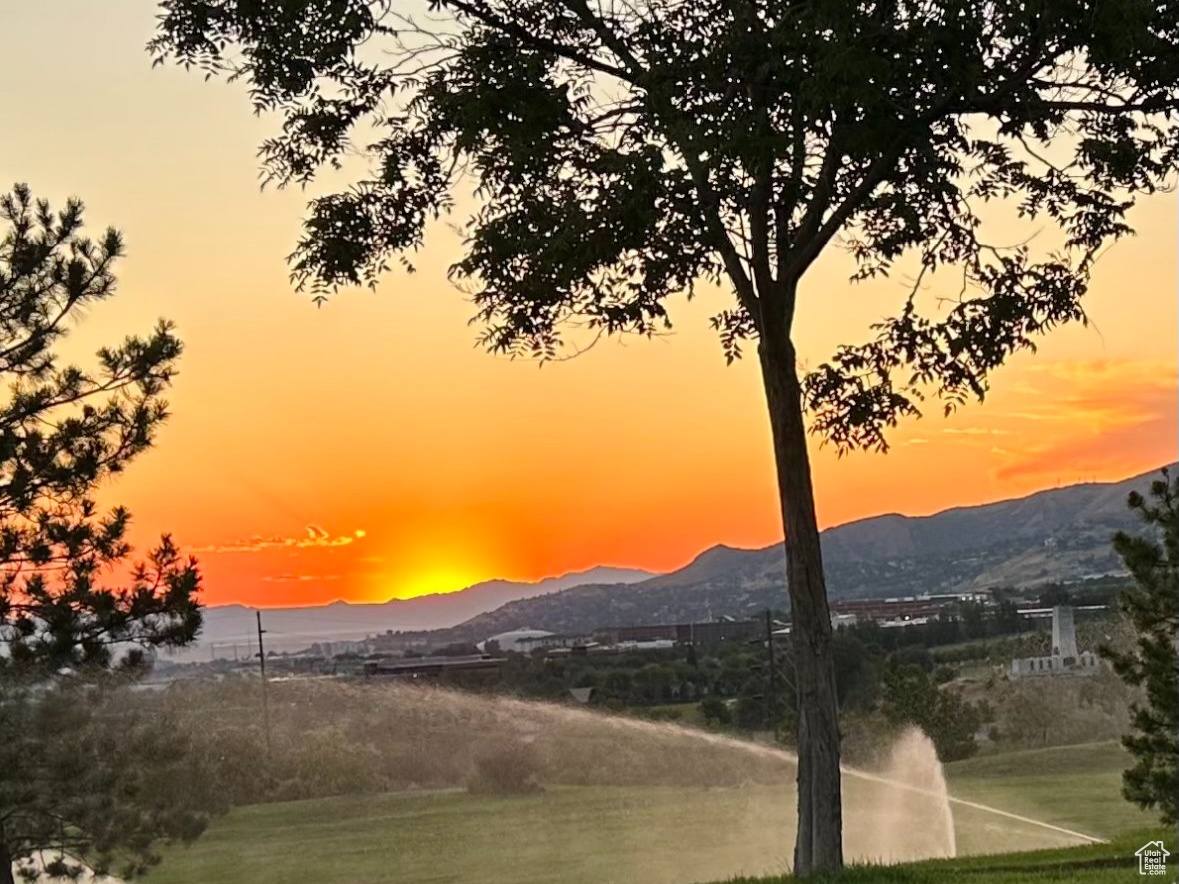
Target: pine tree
(83, 781)
(1152, 607)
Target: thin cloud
(1103, 418)
(975, 431)
(1115, 454)
(1103, 370)
(300, 578)
(1101, 396)
(313, 538)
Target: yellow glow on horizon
(436, 582)
(432, 558)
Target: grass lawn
(1112, 863)
(1076, 787)
(590, 834)
(662, 835)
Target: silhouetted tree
(1152, 606)
(622, 152)
(76, 779)
(910, 695)
(973, 620)
(1008, 620)
(1053, 595)
(857, 676)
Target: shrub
(510, 768)
(715, 711)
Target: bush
(715, 711)
(507, 769)
(944, 674)
(749, 713)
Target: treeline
(885, 678)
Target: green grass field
(655, 835)
(591, 834)
(1077, 787)
(1112, 863)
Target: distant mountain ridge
(296, 627)
(1059, 534)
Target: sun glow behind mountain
(436, 581)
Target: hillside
(1060, 534)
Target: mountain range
(291, 629)
(1061, 534)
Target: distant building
(1065, 659)
(899, 609)
(520, 640)
(549, 641)
(335, 648)
(892, 612)
(1085, 663)
(428, 667)
(837, 621)
(659, 644)
(644, 633)
(700, 634)
(907, 620)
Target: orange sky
(368, 450)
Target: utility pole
(772, 687)
(262, 670)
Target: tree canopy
(621, 152)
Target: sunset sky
(368, 450)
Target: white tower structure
(1064, 632)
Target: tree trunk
(6, 874)
(819, 846)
